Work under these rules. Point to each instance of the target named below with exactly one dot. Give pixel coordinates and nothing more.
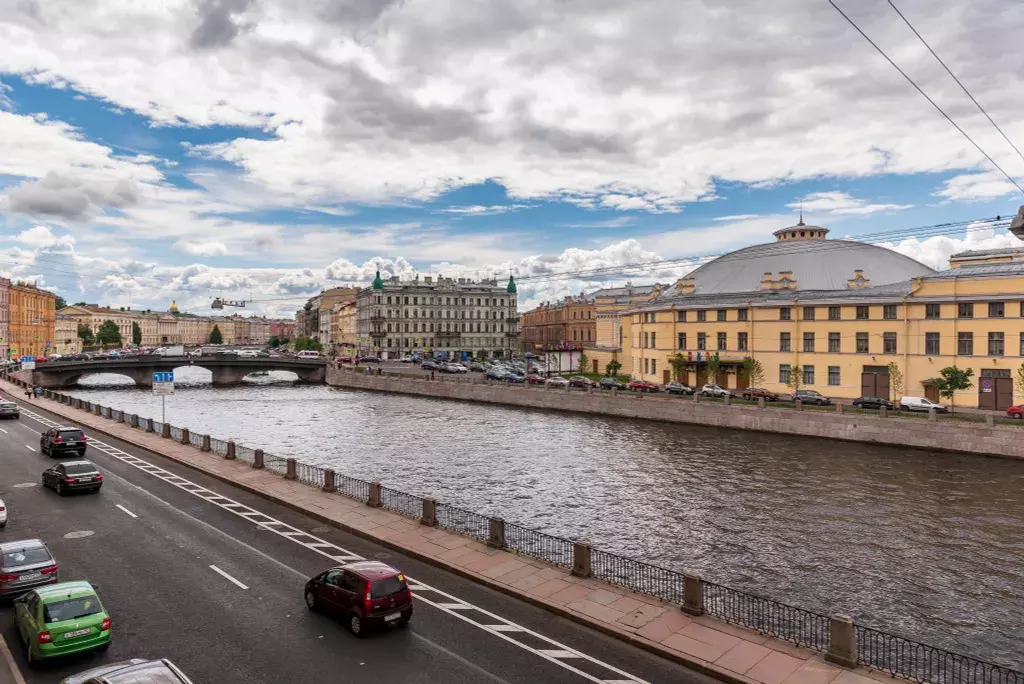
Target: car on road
(581, 382)
(642, 386)
(712, 390)
(73, 476)
(811, 397)
(751, 393)
(1015, 411)
(429, 365)
(131, 672)
(678, 388)
(62, 441)
(496, 374)
(3, 514)
(611, 383)
(61, 619)
(534, 379)
(8, 409)
(921, 404)
(515, 378)
(872, 403)
(366, 594)
(405, 359)
(557, 381)
(25, 565)
(366, 359)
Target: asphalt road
(149, 544)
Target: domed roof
(808, 263)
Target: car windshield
(70, 434)
(79, 468)
(29, 556)
(70, 609)
(387, 587)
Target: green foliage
(304, 343)
(796, 377)
(81, 304)
(108, 334)
(85, 334)
(584, 362)
(612, 367)
(714, 369)
(753, 372)
(952, 380)
(1020, 379)
(60, 303)
(678, 363)
(895, 380)
(273, 342)
(136, 333)
(216, 337)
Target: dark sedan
(611, 383)
(73, 476)
(678, 388)
(581, 382)
(811, 397)
(752, 393)
(873, 403)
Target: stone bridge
(227, 369)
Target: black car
(811, 397)
(429, 365)
(62, 441)
(368, 359)
(678, 388)
(872, 403)
(73, 476)
(611, 383)
(581, 382)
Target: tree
(85, 334)
(108, 334)
(714, 368)
(796, 378)
(215, 335)
(584, 362)
(1020, 379)
(81, 304)
(612, 368)
(678, 363)
(273, 342)
(60, 303)
(753, 372)
(304, 343)
(952, 380)
(136, 334)
(895, 380)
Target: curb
(698, 665)
(8, 657)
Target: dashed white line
(127, 511)
(558, 653)
(3, 431)
(29, 448)
(228, 577)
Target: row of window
(581, 335)
(786, 372)
(417, 313)
(480, 301)
(422, 327)
(428, 342)
(835, 313)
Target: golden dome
(174, 307)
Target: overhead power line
(925, 96)
(962, 86)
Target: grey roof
(619, 291)
(1002, 251)
(778, 297)
(1005, 268)
(815, 264)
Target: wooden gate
(931, 393)
(742, 382)
(875, 385)
(702, 378)
(594, 364)
(995, 393)
(666, 376)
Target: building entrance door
(995, 390)
(666, 376)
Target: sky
(262, 150)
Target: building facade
(343, 322)
(31, 319)
(568, 324)
(168, 329)
(447, 317)
(5, 317)
(844, 318)
(259, 331)
(65, 335)
(95, 316)
(283, 329)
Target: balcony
(377, 334)
(377, 316)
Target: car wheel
(81, 453)
(60, 489)
(820, 402)
(355, 624)
(1018, 416)
(311, 600)
(403, 622)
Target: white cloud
(480, 210)
(736, 217)
(42, 236)
(935, 251)
(840, 203)
(201, 248)
(976, 187)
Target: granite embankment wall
(974, 438)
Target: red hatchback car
(367, 594)
(642, 386)
(1016, 411)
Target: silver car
(8, 409)
(23, 565)
(134, 671)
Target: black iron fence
(400, 502)
(538, 544)
(637, 575)
(310, 474)
(802, 627)
(462, 521)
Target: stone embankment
(929, 434)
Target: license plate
(31, 575)
(76, 633)
(393, 616)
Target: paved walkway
(705, 643)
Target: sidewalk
(9, 673)
(724, 651)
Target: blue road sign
(163, 376)
(25, 359)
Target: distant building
(32, 317)
(343, 326)
(5, 313)
(65, 334)
(560, 326)
(319, 311)
(283, 330)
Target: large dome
(809, 261)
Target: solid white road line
(127, 511)
(228, 577)
(3, 431)
(29, 448)
(445, 602)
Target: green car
(62, 619)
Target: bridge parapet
(227, 369)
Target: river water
(926, 545)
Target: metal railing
(245, 454)
(802, 627)
(538, 544)
(219, 446)
(351, 487)
(195, 439)
(400, 502)
(158, 427)
(105, 411)
(310, 474)
(275, 464)
(639, 576)
(176, 433)
(902, 657)
(462, 521)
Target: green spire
(378, 284)
(511, 285)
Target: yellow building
(32, 317)
(609, 306)
(65, 335)
(168, 330)
(838, 314)
(95, 316)
(343, 326)
(259, 331)
(226, 327)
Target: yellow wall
(32, 314)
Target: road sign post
(163, 384)
(28, 363)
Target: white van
(920, 404)
(308, 354)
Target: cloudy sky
(153, 150)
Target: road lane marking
(3, 431)
(444, 602)
(228, 577)
(127, 511)
(555, 653)
(29, 448)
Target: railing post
(581, 559)
(429, 515)
(185, 436)
(990, 420)
(329, 480)
(149, 425)
(496, 538)
(883, 412)
(97, 409)
(839, 409)
(230, 451)
(693, 594)
(166, 432)
(728, 399)
(206, 443)
(696, 396)
(842, 641)
(289, 473)
(760, 402)
(798, 404)
(257, 458)
(374, 500)
(135, 420)
(932, 415)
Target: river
(926, 545)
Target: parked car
(59, 441)
(131, 672)
(8, 409)
(581, 382)
(752, 393)
(62, 619)
(367, 359)
(678, 388)
(642, 386)
(921, 404)
(1016, 411)
(557, 381)
(3, 515)
(24, 565)
(429, 365)
(872, 403)
(515, 378)
(611, 383)
(496, 374)
(711, 390)
(405, 359)
(811, 397)
(534, 379)
(367, 594)
(456, 368)
(73, 476)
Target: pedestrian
(431, 375)
(28, 393)
(39, 391)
